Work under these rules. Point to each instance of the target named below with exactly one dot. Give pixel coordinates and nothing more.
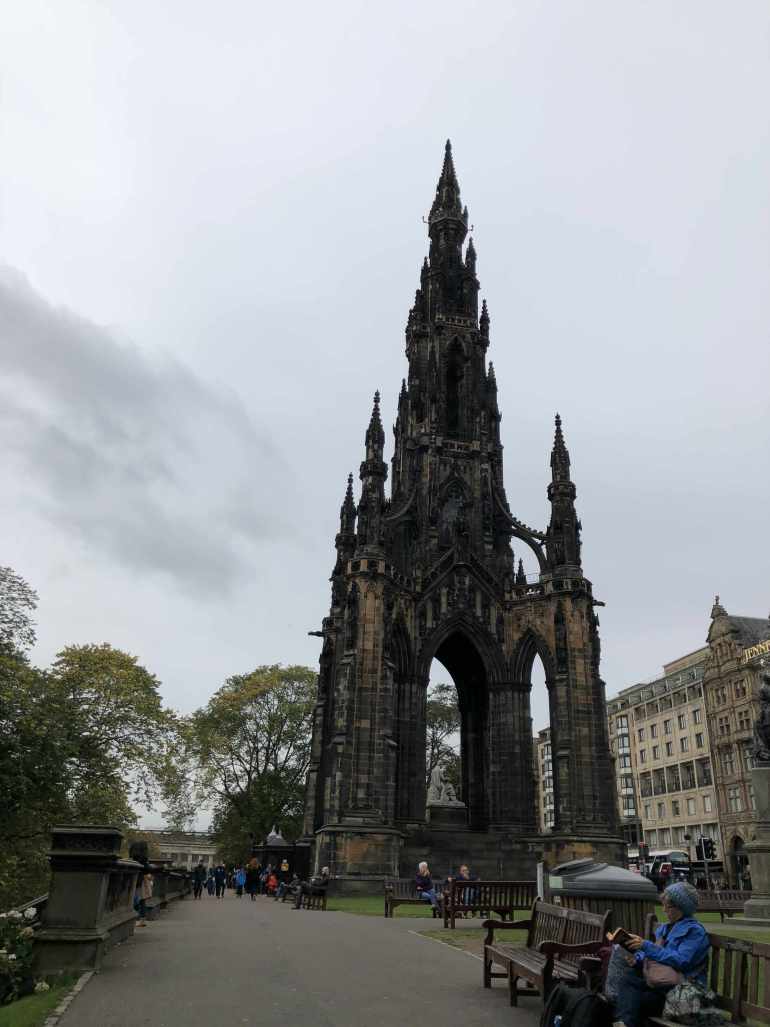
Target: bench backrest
(568, 926)
(493, 894)
(739, 974)
(401, 887)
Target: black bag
(577, 1007)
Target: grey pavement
(237, 962)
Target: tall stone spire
(564, 530)
(373, 473)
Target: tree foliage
(250, 750)
(18, 602)
(442, 727)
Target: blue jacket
(683, 945)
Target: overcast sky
(211, 236)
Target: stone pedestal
(359, 856)
(90, 904)
(452, 816)
(758, 851)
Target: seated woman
(423, 883)
(682, 944)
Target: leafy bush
(16, 935)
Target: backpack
(577, 1007)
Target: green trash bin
(596, 887)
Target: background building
(185, 848)
(659, 736)
(544, 778)
(738, 648)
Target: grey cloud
(133, 453)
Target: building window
(659, 781)
(673, 780)
(624, 762)
(723, 725)
(651, 837)
(740, 689)
(647, 811)
(707, 804)
(744, 720)
(661, 811)
(728, 761)
(691, 809)
(688, 776)
(621, 723)
(645, 785)
(748, 756)
(679, 833)
(752, 796)
(642, 755)
(669, 748)
(656, 752)
(653, 730)
(667, 727)
(665, 837)
(705, 776)
(734, 800)
(629, 806)
(676, 809)
(720, 696)
(697, 715)
(684, 744)
(682, 721)
(641, 734)
(699, 740)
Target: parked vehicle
(668, 867)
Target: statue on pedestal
(440, 791)
(762, 724)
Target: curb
(55, 1017)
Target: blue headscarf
(683, 896)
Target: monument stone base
(452, 816)
(758, 851)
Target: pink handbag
(658, 975)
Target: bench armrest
(557, 948)
(503, 925)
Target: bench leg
(513, 988)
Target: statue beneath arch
(429, 572)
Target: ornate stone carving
(762, 725)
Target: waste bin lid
(589, 878)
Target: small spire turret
(559, 455)
(521, 577)
(484, 320)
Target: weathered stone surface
(430, 574)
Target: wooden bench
(402, 891)
(723, 902)
(317, 901)
(739, 974)
(501, 897)
(556, 941)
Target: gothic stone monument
(429, 573)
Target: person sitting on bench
(423, 884)
(316, 886)
(679, 952)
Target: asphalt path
(233, 962)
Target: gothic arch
(468, 626)
(532, 644)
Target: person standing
(252, 879)
(199, 879)
(210, 881)
(220, 879)
(240, 880)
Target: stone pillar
(91, 901)
(758, 906)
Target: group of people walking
(253, 879)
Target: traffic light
(709, 851)
(699, 848)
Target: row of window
(667, 702)
(678, 777)
(728, 763)
(743, 718)
(722, 694)
(666, 837)
(668, 724)
(684, 746)
(653, 811)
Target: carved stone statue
(436, 786)
(762, 725)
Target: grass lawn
(374, 905)
(32, 1010)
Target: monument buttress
(429, 572)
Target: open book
(620, 936)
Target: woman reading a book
(679, 953)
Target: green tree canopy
(442, 725)
(250, 750)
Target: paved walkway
(236, 962)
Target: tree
(80, 742)
(251, 749)
(442, 723)
(18, 601)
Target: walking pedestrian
(199, 879)
(252, 879)
(240, 879)
(220, 878)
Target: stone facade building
(185, 848)
(428, 572)
(738, 647)
(544, 776)
(664, 768)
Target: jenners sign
(760, 649)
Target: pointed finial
(717, 610)
(559, 454)
(470, 255)
(491, 375)
(484, 319)
(521, 577)
(375, 436)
